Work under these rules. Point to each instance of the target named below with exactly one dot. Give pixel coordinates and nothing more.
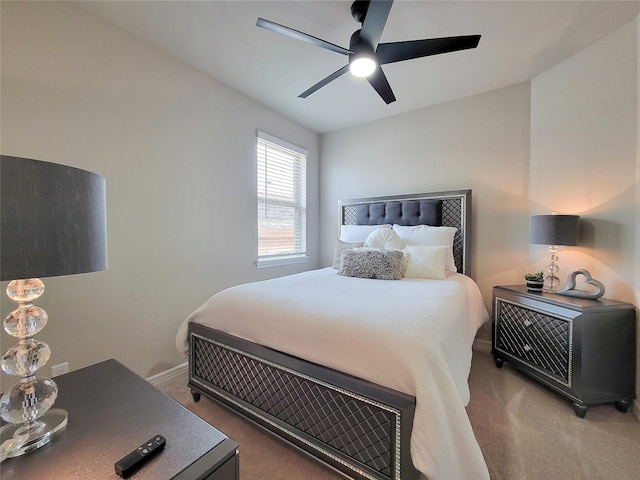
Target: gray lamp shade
(53, 220)
(554, 229)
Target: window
(282, 202)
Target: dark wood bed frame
(359, 428)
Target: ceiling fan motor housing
(363, 61)
(356, 45)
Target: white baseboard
(481, 345)
(167, 375)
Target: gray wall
(637, 212)
(479, 142)
(177, 150)
(583, 157)
(636, 283)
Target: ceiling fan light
(362, 66)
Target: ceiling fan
(366, 54)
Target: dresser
(111, 412)
(584, 349)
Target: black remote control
(131, 463)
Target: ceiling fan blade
(399, 51)
(324, 81)
(290, 32)
(374, 22)
(381, 85)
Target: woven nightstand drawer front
(540, 340)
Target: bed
(376, 393)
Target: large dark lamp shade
(53, 220)
(554, 229)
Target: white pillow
(384, 239)
(425, 262)
(427, 235)
(358, 233)
(340, 247)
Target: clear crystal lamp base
(551, 281)
(31, 423)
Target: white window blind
(282, 201)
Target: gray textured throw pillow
(370, 263)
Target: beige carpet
(525, 431)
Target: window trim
(282, 143)
(279, 260)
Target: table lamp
(554, 230)
(52, 222)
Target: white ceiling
(520, 39)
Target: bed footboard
(357, 427)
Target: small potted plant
(535, 281)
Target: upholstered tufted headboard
(450, 209)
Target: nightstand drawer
(536, 338)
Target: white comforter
(411, 335)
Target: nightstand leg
(623, 405)
(195, 395)
(581, 410)
(498, 361)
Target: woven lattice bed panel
(351, 431)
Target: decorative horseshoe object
(570, 289)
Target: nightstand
(111, 412)
(583, 349)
